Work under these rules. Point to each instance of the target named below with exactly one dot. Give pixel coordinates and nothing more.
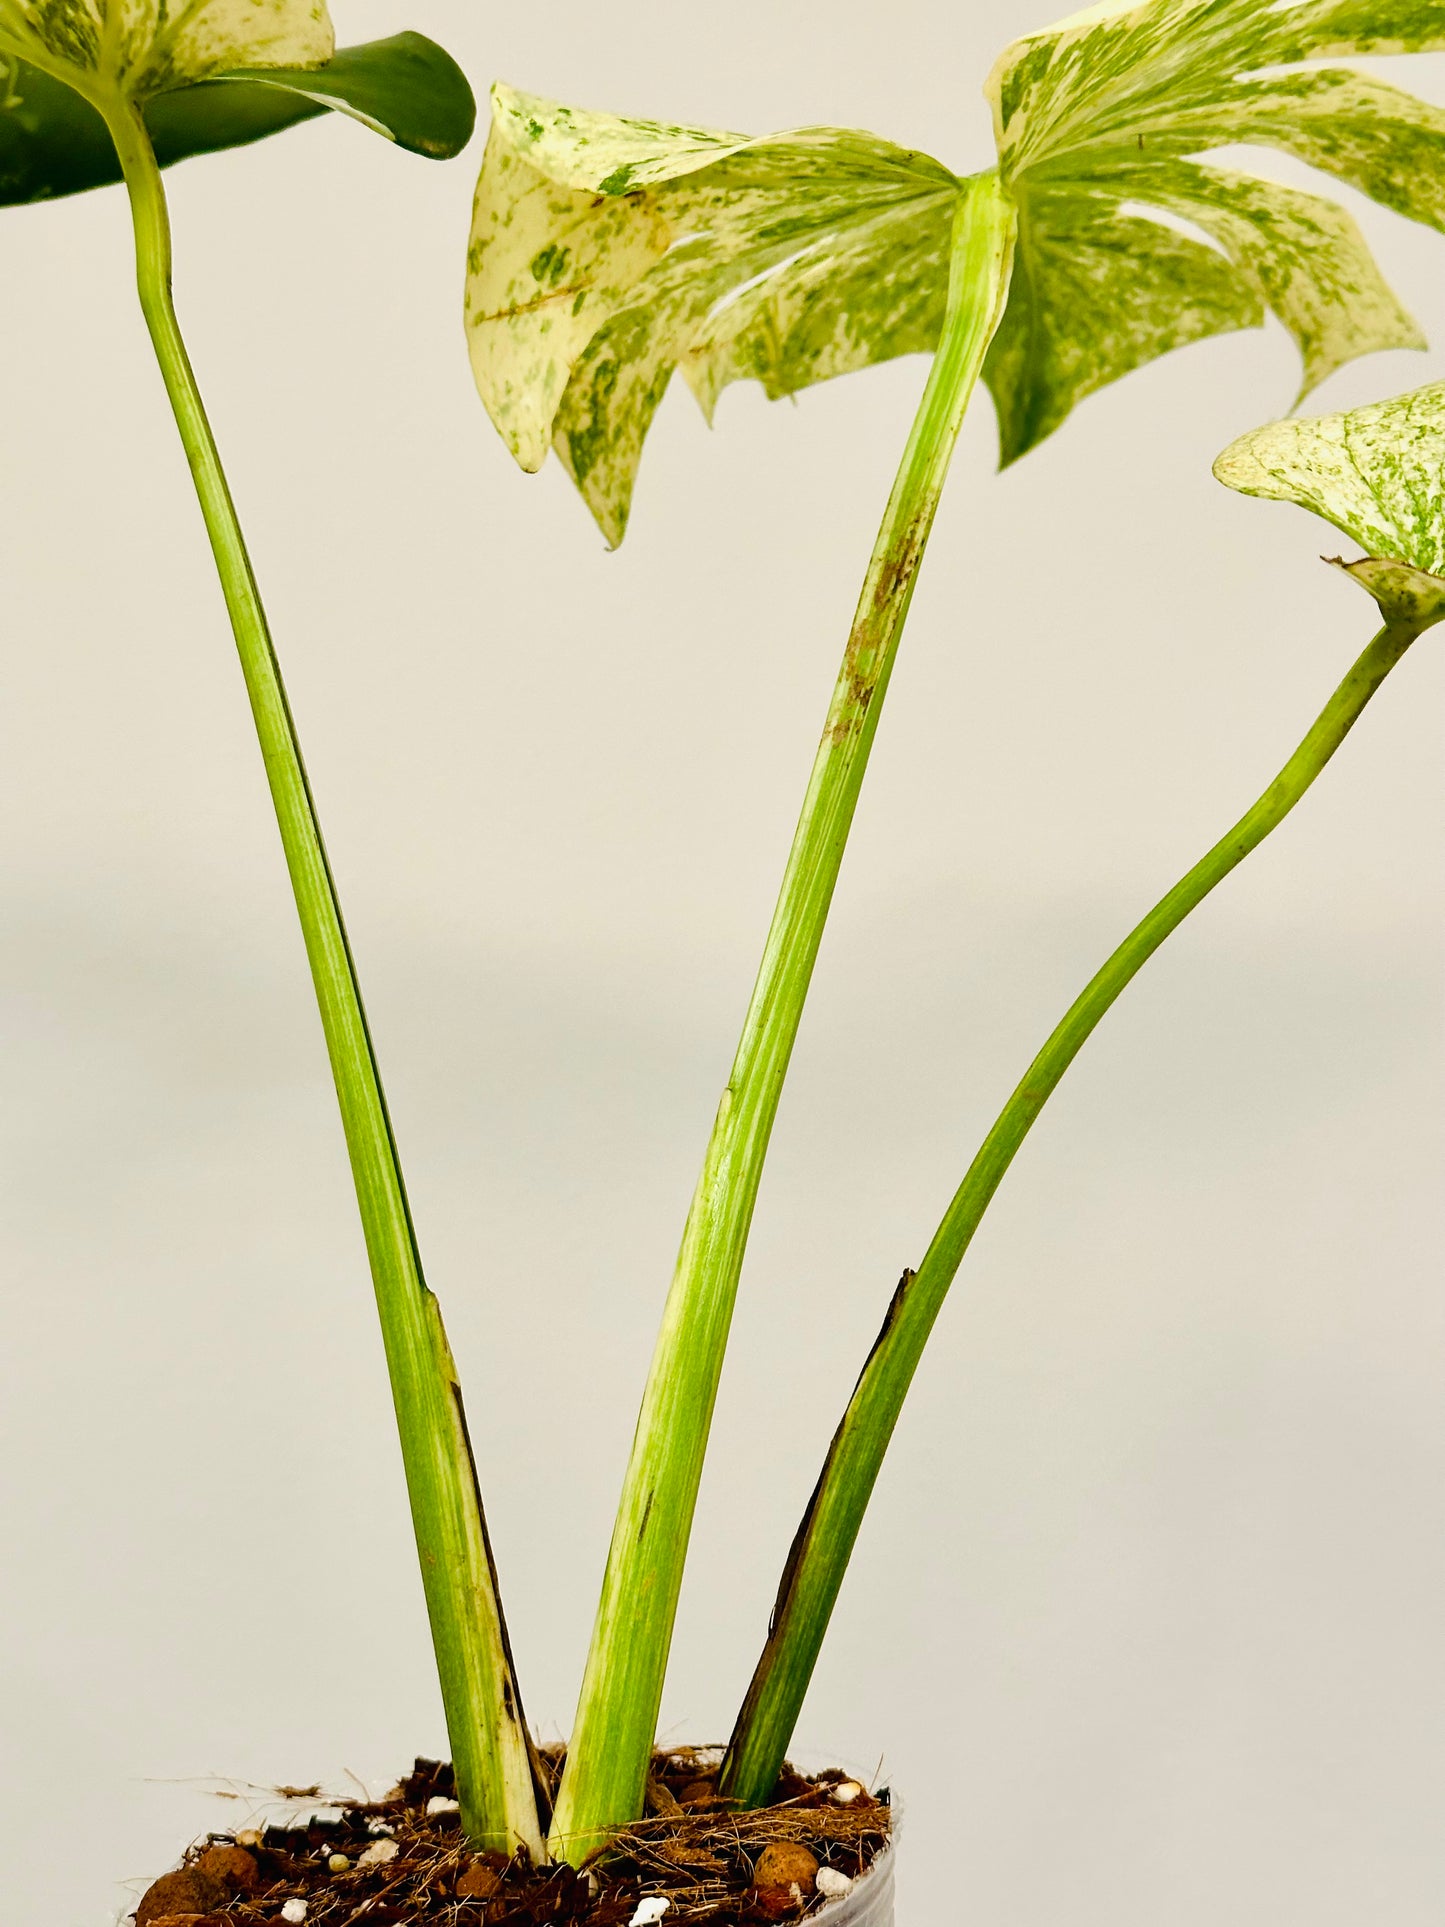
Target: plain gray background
(1145, 1622)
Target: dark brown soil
(715, 1866)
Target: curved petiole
(824, 1543)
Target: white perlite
(846, 1792)
(832, 1883)
(649, 1910)
(294, 1912)
(439, 1803)
(378, 1853)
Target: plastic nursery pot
(869, 1902)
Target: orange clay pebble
(783, 1878)
(479, 1882)
(232, 1866)
(785, 1864)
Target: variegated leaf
(1377, 473)
(1097, 293)
(1305, 254)
(1117, 99)
(606, 253)
(713, 263)
(137, 48)
(1375, 137)
(1163, 71)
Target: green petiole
(612, 1737)
(824, 1543)
(485, 1724)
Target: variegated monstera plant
(607, 254)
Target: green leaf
(406, 88)
(1097, 293)
(605, 253)
(1377, 473)
(53, 142)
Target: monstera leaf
(1095, 121)
(606, 253)
(131, 49)
(1377, 473)
(53, 137)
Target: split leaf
(606, 252)
(53, 141)
(1096, 120)
(1376, 473)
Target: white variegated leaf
(1383, 141)
(1118, 100)
(1305, 253)
(1155, 71)
(1342, 29)
(137, 48)
(608, 252)
(598, 152)
(1377, 473)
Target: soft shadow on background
(1146, 1619)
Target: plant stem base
(821, 1850)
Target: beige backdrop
(1146, 1622)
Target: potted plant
(659, 299)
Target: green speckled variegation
(1377, 473)
(138, 48)
(1097, 121)
(606, 252)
